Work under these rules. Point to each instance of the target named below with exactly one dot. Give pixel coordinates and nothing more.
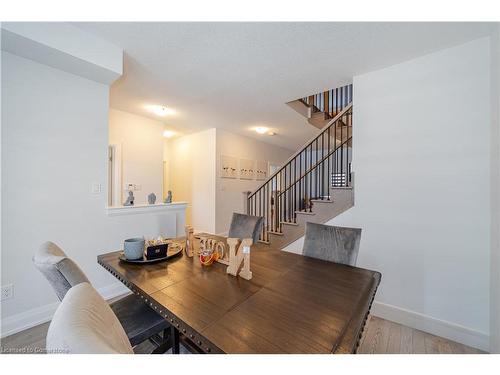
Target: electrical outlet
(7, 291)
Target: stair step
(275, 233)
(341, 187)
(264, 242)
(287, 223)
(322, 200)
(305, 213)
(321, 115)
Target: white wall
(422, 190)
(142, 146)
(192, 177)
(494, 194)
(54, 146)
(229, 192)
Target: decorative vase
(133, 248)
(152, 198)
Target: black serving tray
(171, 252)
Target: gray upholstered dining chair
(334, 244)
(245, 226)
(138, 319)
(85, 324)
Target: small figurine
(152, 198)
(130, 199)
(168, 199)
(189, 241)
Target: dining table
(292, 304)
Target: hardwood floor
(380, 337)
(385, 337)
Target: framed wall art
(261, 170)
(247, 169)
(228, 167)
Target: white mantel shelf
(146, 208)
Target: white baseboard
(448, 330)
(114, 290)
(31, 318)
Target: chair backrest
(85, 324)
(334, 244)
(61, 272)
(245, 226)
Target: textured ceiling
(239, 75)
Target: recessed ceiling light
(168, 133)
(261, 129)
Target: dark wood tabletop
(293, 304)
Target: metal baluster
(281, 199)
(268, 203)
(310, 179)
(300, 182)
(255, 205)
(295, 190)
(335, 168)
(342, 100)
(316, 169)
(263, 205)
(341, 152)
(329, 176)
(285, 196)
(337, 100)
(321, 168)
(275, 203)
(330, 98)
(290, 213)
(261, 211)
(305, 192)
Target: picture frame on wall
(228, 167)
(261, 170)
(247, 169)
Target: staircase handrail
(297, 153)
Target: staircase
(320, 108)
(314, 185)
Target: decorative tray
(173, 250)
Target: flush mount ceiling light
(261, 129)
(264, 130)
(160, 110)
(168, 133)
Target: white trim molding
(438, 327)
(146, 208)
(39, 315)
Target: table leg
(174, 336)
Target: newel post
(246, 207)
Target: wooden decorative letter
(189, 241)
(238, 256)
